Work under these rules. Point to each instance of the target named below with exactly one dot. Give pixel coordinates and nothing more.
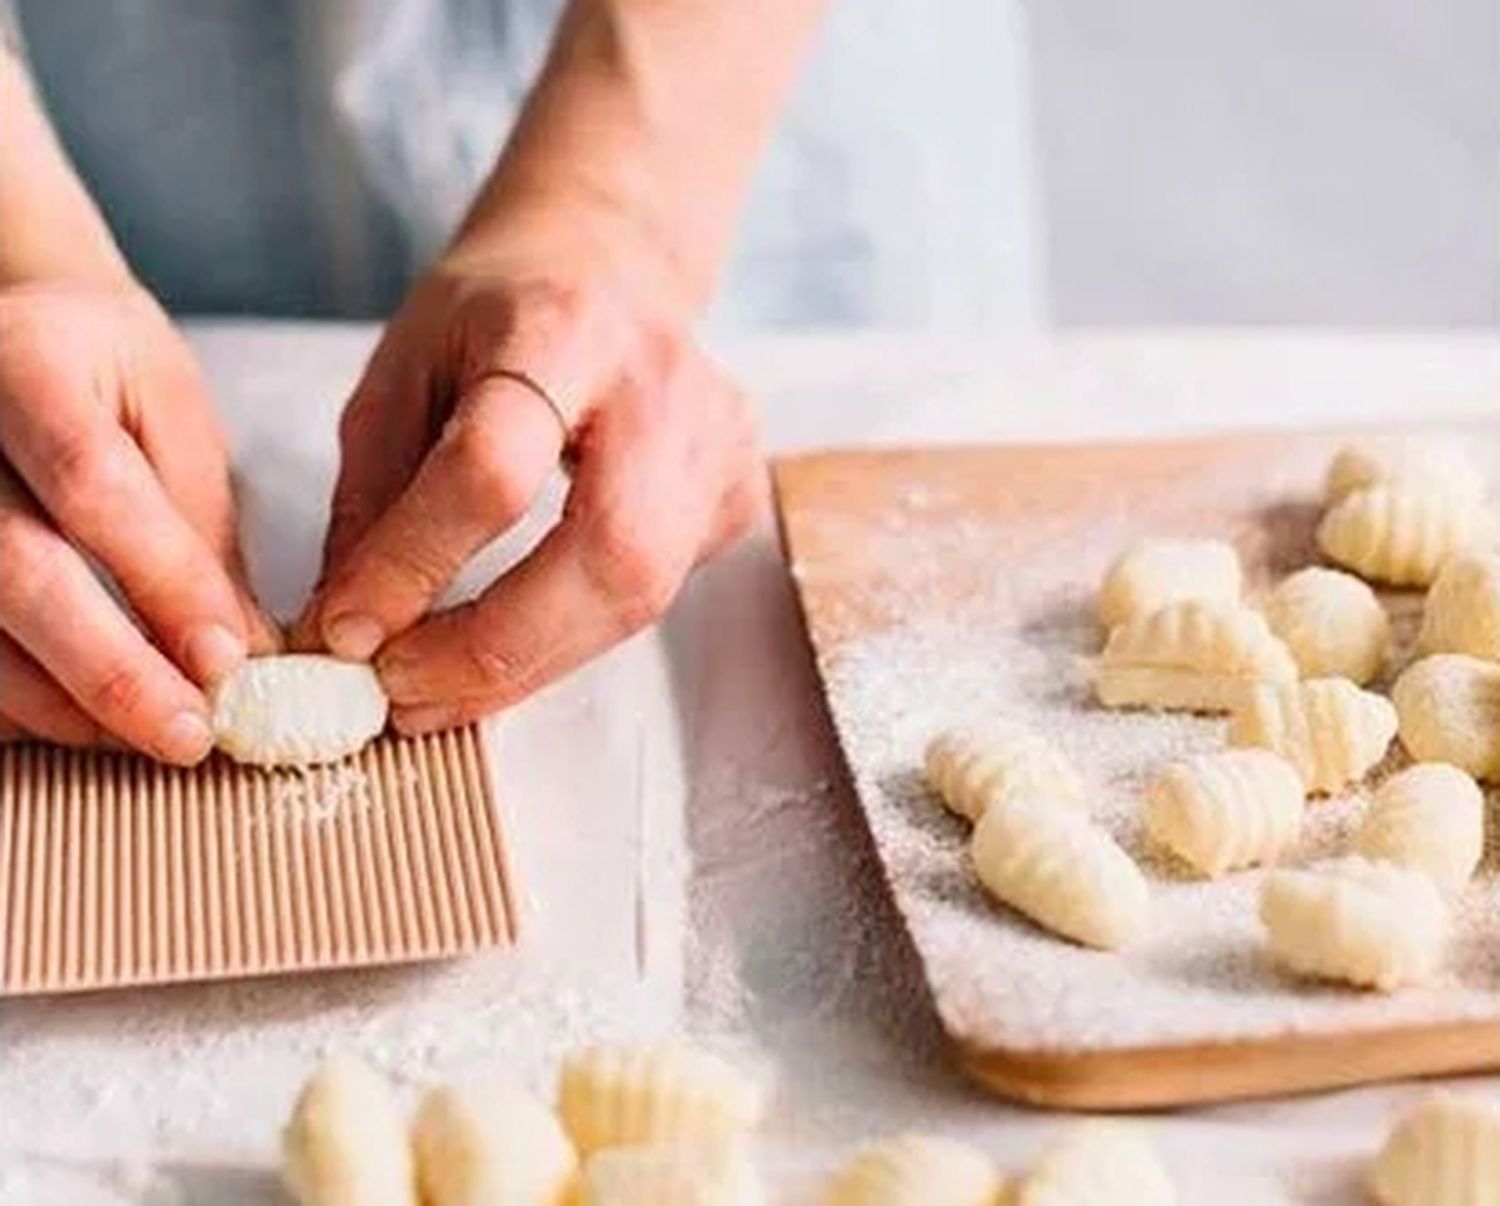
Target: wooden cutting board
(955, 586)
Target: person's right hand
(110, 451)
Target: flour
(313, 795)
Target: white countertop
(688, 851)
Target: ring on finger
(564, 421)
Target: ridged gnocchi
(1222, 811)
(1445, 1153)
(1062, 871)
(969, 770)
(1190, 656)
(670, 1174)
(499, 1145)
(346, 1141)
(1418, 462)
(1370, 924)
(1332, 623)
(1448, 706)
(916, 1170)
(1098, 1164)
(1399, 534)
(1327, 728)
(627, 1096)
(298, 709)
(1152, 573)
(1462, 611)
(1429, 817)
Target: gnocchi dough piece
(1429, 817)
(1425, 464)
(1398, 534)
(496, 1147)
(1098, 1164)
(1445, 1153)
(297, 709)
(1448, 706)
(916, 1170)
(1327, 728)
(1371, 924)
(1332, 623)
(346, 1143)
(1152, 573)
(1062, 871)
(1462, 611)
(1219, 812)
(1191, 656)
(627, 1096)
(670, 1174)
(969, 770)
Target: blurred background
(954, 165)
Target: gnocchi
(1370, 924)
(297, 710)
(1332, 623)
(1098, 1164)
(346, 1141)
(916, 1170)
(1327, 728)
(626, 1096)
(1063, 872)
(1429, 817)
(968, 771)
(1421, 463)
(670, 1174)
(1462, 611)
(496, 1146)
(1227, 810)
(1445, 1153)
(1448, 706)
(1398, 534)
(1190, 656)
(1153, 573)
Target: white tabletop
(689, 854)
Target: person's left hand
(440, 455)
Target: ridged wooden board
(879, 541)
(116, 870)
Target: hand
(109, 450)
(439, 456)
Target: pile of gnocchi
(1294, 678)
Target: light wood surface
(1054, 508)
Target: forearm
(646, 124)
(49, 226)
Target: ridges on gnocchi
(1327, 728)
(1417, 462)
(970, 770)
(499, 1144)
(1430, 817)
(1097, 1164)
(1332, 623)
(1445, 1153)
(1448, 708)
(1400, 534)
(1152, 573)
(916, 1170)
(1226, 810)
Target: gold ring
(528, 382)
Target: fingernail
(413, 721)
(186, 739)
(353, 636)
(395, 675)
(212, 652)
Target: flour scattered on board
(304, 796)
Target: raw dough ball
(670, 1174)
(498, 1147)
(1371, 924)
(1429, 817)
(1332, 623)
(1462, 610)
(1449, 709)
(1327, 728)
(1191, 656)
(1445, 1153)
(1399, 534)
(297, 710)
(346, 1142)
(1424, 464)
(916, 1170)
(1153, 573)
(1098, 1164)
(970, 770)
(1062, 871)
(1219, 812)
(627, 1096)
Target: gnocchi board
(955, 586)
(117, 870)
